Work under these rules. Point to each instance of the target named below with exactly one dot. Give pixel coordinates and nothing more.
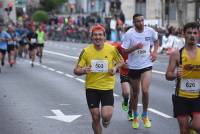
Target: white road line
(78, 79)
(70, 76)
(60, 72)
(159, 113)
(158, 72)
(59, 54)
(44, 66)
(64, 104)
(51, 69)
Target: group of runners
(134, 57)
(18, 40)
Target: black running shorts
(3, 51)
(185, 106)
(124, 78)
(136, 73)
(10, 48)
(95, 97)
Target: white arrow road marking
(59, 115)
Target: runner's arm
(171, 74)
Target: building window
(170, 10)
(140, 7)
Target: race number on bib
(99, 65)
(33, 40)
(142, 52)
(190, 85)
(11, 43)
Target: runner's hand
(86, 69)
(179, 73)
(113, 71)
(153, 56)
(139, 46)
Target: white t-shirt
(140, 58)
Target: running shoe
(105, 123)
(192, 131)
(2, 63)
(40, 60)
(32, 65)
(130, 116)
(135, 123)
(125, 107)
(146, 121)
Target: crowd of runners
(25, 41)
(133, 56)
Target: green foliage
(49, 5)
(40, 16)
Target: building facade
(5, 13)
(163, 12)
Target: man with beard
(184, 67)
(99, 62)
(137, 43)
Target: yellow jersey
(188, 86)
(100, 61)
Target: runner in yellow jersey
(41, 40)
(184, 66)
(99, 61)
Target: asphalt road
(50, 99)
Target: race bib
(190, 85)
(10, 42)
(33, 40)
(142, 52)
(99, 65)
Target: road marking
(78, 79)
(60, 72)
(157, 112)
(64, 104)
(51, 69)
(70, 76)
(59, 54)
(60, 116)
(158, 72)
(44, 66)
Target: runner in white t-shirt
(137, 43)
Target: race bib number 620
(192, 85)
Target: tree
(49, 5)
(40, 16)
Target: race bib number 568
(99, 65)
